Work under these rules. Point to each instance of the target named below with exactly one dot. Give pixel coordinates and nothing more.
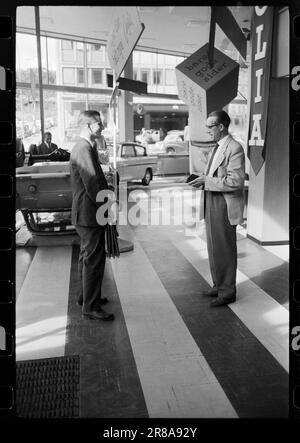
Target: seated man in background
(46, 147)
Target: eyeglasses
(211, 126)
(97, 123)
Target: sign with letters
(206, 88)
(126, 30)
(260, 83)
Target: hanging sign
(225, 19)
(126, 30)
(262, 27)
(207, 88)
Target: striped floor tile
(229, 347)
(167, 354)
(41, 312)
(176, 380)
(110, 386)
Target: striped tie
(211, 159)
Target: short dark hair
(47, 133)
(88, 116)
(222, 117)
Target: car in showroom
(43, 189)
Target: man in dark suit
(87, 179)
(46, 147)
(222, 206)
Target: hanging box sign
(207, 88)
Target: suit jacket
(228, 177)
(44, 149)
(87, 179)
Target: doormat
(48, 387)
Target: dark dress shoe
(98, 315)
(222, 301)
(211, 293)
(101, 301)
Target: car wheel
(170, 151)
(147, 177)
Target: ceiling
(173, 29)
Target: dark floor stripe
(24, 257)
(253, 380)
(110, 386)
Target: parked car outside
(133, 163)
(173, 143)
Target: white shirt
(221, 143)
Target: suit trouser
(221, 244)
(91, 265)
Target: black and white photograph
(152, 213)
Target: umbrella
(111, 241)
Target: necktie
(211, 159)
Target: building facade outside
(70, 65)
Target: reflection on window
(67, 44)
(97, 76)
(170, 77)
(146, 57)
(108, 72)
(80, 76)
(145, 76)
(79, 52)
(135, 74)
(68, 76)
(95, 53)
(171, 60)
(157, 77)
(160, 59)
(136, 57)
(67, 47)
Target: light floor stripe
(281, 251)
(41, 310)
(261, 314)
(24, 257)
(175, 377)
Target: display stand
(124, 245)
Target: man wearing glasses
(87, 179)
(222, 206)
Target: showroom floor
(168, 353)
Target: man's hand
(198, 182)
